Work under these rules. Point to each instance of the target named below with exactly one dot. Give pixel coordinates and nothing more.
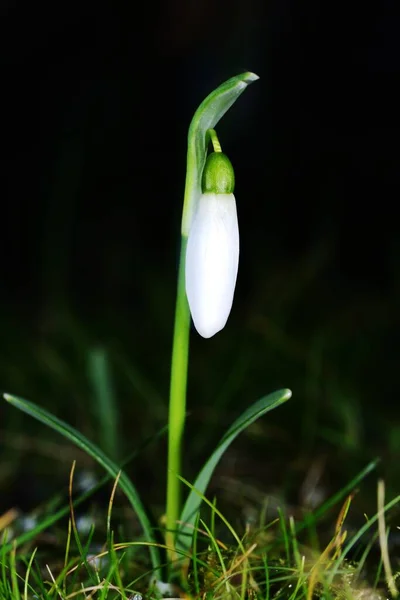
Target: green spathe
(218, 175)
(206, 117)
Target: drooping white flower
(212, 254)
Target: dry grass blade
(335, 546)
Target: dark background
(96, 103)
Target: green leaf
(210, 111)
(113, 469)
(192, 504)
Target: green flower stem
(212, 136)
(206, 117)
(177, 403)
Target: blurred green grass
(299, 324)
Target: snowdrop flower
(212, 254)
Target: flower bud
(212, 253)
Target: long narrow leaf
(42, 415)
(192, 504)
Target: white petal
(212, 258)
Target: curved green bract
(190, 510)
(69, 432)
(210, 111)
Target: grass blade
(356, 537)
(192, 504)
(55, 515)
(104, 400)
(84, 444)
(313, 518)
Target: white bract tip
(212, 259)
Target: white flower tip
(206, 328)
